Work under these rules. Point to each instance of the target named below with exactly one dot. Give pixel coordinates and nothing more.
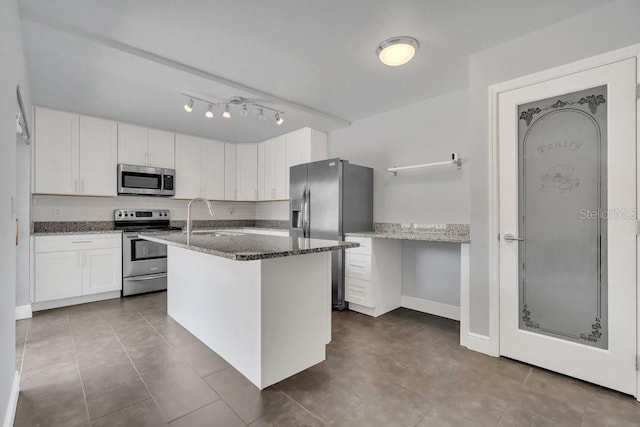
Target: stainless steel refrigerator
(327, 199)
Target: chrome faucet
(189, 226)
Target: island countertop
(246, 247)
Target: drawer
(364, 248)
(72, 242)
(357, 266)
(359, 292)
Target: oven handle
(153, 277)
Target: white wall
(272, 210)
(597, 31)
(12, 70)
(23, 212)
(428, 131)
(73, 208)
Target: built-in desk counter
(373, 271)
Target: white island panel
(269, 318)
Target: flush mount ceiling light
(397, 50)
(243, 103)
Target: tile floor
(126, 363)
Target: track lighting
(242, 103)
(227, 113)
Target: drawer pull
(82, 241)
(356, 265)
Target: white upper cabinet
(199, 168)
(141, 146)
(213, 169)
(56, 148)
(188, 178)
(230, 171)
(74, 154)
(132, 144)
(98, 156)
(275, 168)
(161, 149)
(261, 173)
(303, 146)
(247, 172)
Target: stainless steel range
(144, 263)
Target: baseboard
(23, 312)
(480, 343)
(12, 404)
(46, 305)
(430, 307)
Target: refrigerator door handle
(304, 212)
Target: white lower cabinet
(69, 266)
(373, 275)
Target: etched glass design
(562, 148)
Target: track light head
(227, 113)
(188, 107)
(209, 113)
(279, 119)
(244, 112)
(261, 116)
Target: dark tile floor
(126, 363)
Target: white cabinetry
(74, 154)
(200, 166)
(76, 265)
(275, 169)
(373, 276)
(141, 146)
(230, 171)
(247, 172)
(303, 146)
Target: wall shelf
(455, 160)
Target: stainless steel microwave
(145, 181)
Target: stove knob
(119, 213)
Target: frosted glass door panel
(562, 143)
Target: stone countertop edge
(425, 237)
(256, 256)
(63, 233)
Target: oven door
(140, 257)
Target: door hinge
(638, 363)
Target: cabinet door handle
(356, 265)
(82, 241)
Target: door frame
(493, 347)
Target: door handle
(511, 238)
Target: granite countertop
(247, 247)
(447, 233)
(427, 237)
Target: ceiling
(314, 60)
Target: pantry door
(567, 182)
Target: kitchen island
(263, 303)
